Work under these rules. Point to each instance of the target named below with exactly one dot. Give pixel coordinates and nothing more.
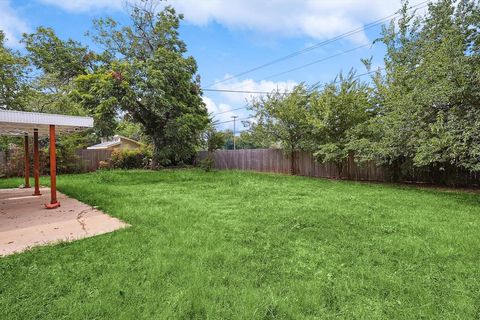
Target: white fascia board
(36, 118)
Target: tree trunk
(157, 157)
(339, 166)
(292, 162)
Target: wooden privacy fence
(272, 160)
(12, 163)
(275, 160)
(89, 160)
(304, 164)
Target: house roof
(16, 123)
(111, 143)
(104, 145)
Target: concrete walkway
(25, 223)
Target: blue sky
(229, 37)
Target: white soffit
(15, 123)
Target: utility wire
(222, 112)
(314, 86)
(267, 92)
(288, 71)
(296, 68)
(317, 45)
(235, 91)
(217, 123)
(317, 85)
(317, 61)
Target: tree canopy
(428, 97)
(13, 72)
(150, 79)
(422, 108)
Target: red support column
(53, 172)
(27, 164)
(36, 163)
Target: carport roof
(16, 123)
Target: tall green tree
(247, 139)
(334, 111)
(283, 118)
(13, 81)
(131, 130)
(213, 140)
(251, 139)
(448, 87)
(55, 63)
(426, 104)
(62, 60)
(151, 79)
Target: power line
(235, 91)
(317, 61)
(288, 71)
(312, 87)
(222, 112)
(317, 85)
(217, 123)
(317, 45)
(267, 92)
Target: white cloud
(318, 19)
(224, 105)
(85, 5)
(213, 108)
(249, 85)
(11, 24)
(221, 112)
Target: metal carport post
(27, 162)
(36, 163)
(53, 170)
(18, 123)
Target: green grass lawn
(239, 245)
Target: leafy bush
(207, 164)
(131, 159)
(67, 146)
(214, 140)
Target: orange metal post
(27, 164)
(36, 164)
(53, 171)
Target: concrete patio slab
(25, 223)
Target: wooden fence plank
(275, 160)
(89, 160)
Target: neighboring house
(116, 143)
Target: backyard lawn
(240, 245)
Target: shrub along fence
(304, 164)
(12, 162)
(274, 160)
